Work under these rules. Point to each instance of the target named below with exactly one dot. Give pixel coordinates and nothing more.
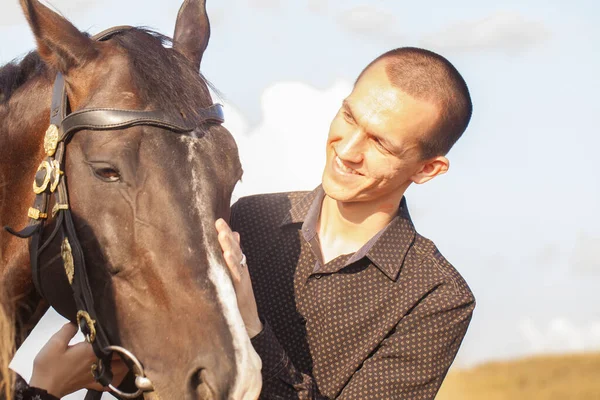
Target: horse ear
(192, 31)
(59, 43)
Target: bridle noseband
(51, 181)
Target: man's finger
(65, 334)
(229, 241)
(230, 260)
(225, 235)
(224, 240)
(82, 351)
(222, 226)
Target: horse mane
(163, 76)
(15, 73)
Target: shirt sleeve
(25, 392)
(413, 361)
(410, 364)
(281, 379)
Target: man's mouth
(343, 168)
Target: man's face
(372, 148)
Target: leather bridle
(50, 181)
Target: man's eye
(347, 116)
(380, 145)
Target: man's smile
(342, 168)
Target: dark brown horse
(143, 200)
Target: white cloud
(505, 31)
(560, 335)
(286, 151)
(368, 20)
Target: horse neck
(23, 121)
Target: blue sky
(517, 214)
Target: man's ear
(432, 168)
(192, 31)
(60, 44)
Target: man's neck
(345, 227)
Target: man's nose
(351, 147)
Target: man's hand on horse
(61, 369)
(236, 262)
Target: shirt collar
(389, 251)
(299, 210)
(398, 235)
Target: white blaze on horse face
(248, 383)
(194, 134)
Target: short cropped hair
(428, 76)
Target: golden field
(563, 377)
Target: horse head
(143, 197)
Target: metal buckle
(45, 165)
(141, 381)
(36, 214)
(90, 324)
(57, 207)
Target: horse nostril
(199, 388)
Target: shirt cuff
(271, 352)
(25, 392)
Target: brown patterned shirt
(383, 323)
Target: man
(353, 303)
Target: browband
(106, 119)
(102, 119)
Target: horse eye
(107, 174)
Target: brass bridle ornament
(50, 181)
